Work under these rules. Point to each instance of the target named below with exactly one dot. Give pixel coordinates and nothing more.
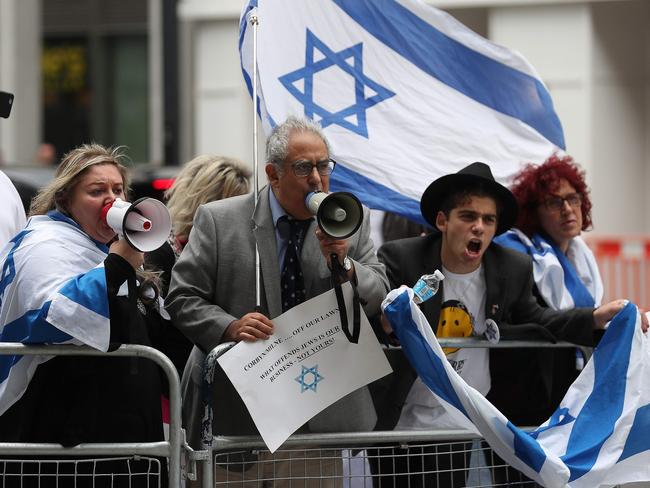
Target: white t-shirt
(421, 410)
(12, 216)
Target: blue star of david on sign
(349, 60)
(309, 379)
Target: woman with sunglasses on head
(204, 179)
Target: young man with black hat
(484, 285)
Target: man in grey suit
(212, 293)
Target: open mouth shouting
(473, 249)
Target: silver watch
(347, 263)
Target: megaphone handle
(335, 265)
(339, 276)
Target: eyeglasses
(556, 204)
(304, 168)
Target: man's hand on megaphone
(329, 246)
(249, 328)
(124, 249)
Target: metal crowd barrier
(114, 464)
(244, 461)
(343, 459)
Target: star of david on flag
(350, 62)
(404, 92)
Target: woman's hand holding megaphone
(122, 248)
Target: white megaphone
(145, 224)
(338, 214)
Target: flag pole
(253, 21)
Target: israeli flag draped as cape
(598, 436)
(564, 281)
(404, 92)
(52, 291)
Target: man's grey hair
(277, 145)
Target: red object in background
(162, 184)
(624, 264)
(609, 248)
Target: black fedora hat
(476, 173)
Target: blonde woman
(64, 284)
(203, 179)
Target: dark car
(146, 180)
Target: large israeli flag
(405, 93)
(52, 291)
(599, 434)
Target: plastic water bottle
(427, 286)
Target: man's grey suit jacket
(213, 283)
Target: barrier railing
(344, 460)
(171, 449)
(245, 459)
(351, 452)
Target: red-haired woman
(554, 208)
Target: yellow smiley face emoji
(455, 321)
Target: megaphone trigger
(145, 224)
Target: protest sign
(305, 366)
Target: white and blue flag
(404, 92)
(52, 291)
(564, 280)
(599, 434)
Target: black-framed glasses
(304, 168)
(556, 204)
